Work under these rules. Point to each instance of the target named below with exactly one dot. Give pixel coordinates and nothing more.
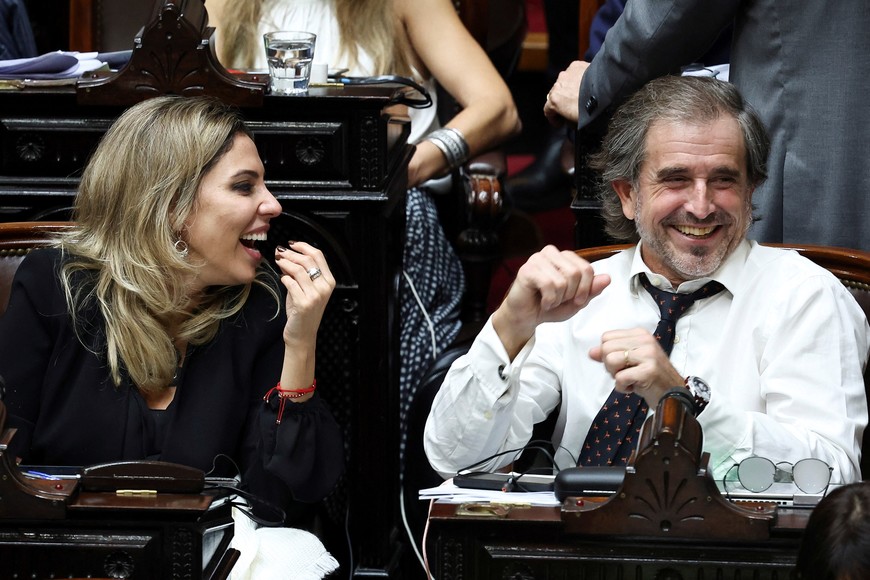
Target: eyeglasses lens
(756, 473)
(812, 475)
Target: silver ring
(314, 273)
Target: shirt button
(676, 339)
(501, 374)
(487, 415)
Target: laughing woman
(155, 329)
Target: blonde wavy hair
(369, 25)
(135, 196)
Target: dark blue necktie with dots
(616, 428)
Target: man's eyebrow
(678, 170)
(725, 170)
(672, 171)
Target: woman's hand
(309, 283)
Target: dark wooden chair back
(17, 239)
(852, 267)
(106, 25)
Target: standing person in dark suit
(16, 35)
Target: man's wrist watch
(700, 391)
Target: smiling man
(771, 346)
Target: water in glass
(289, 65)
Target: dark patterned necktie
(616, 428)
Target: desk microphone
(592, 480)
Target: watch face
(699, 387)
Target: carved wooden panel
(517, 552)
(173, 55)
(668, 521)
(668, 492)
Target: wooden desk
(530, 544)
(168, 536)
(667, 521)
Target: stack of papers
(53, 65)
(450, 493)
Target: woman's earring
(182, 249)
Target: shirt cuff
(490, 363)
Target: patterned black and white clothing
(437, 278)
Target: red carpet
(518, 162)
(535, 16)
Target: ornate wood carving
(370, 151)
(517, 571)
(173, 54)
(119, 564)
(24, 496)
(183, 564)
(668, 492)
(479, 243)
(452, 554)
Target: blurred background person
(836, 541)
(545, 184)
(16, 34)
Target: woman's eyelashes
(245, 187)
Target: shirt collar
(728, 273)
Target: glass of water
(289, 54)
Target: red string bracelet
(284, 394)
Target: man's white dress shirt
(783, 349)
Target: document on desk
(451, 493)
(51, 66)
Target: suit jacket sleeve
(652, 38)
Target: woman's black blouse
(67, 411)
